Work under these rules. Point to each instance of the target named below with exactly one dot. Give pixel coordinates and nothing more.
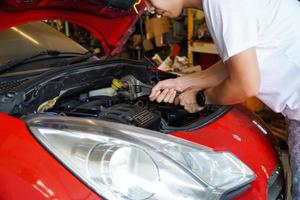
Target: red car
(75, 127)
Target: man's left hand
(188, 100)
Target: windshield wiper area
(74, 58)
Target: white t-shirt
(273, 27)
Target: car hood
(110, 24)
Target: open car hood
(111, 21)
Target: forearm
(236, 88)
(243, 80)
(227, 93)
(211, 77)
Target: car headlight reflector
(126, 168)
(124, 162)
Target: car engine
(106, 90)
(128, 105)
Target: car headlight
(124, 162)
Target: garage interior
(181, 46)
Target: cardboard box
(137, 40)
(160, 26)
(148, 45)
(149, 29)
(159, 42)
(157, 26)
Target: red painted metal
(237, 132)
(28, 171)
(113, 28)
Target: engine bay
(114, 91)
(129, 105)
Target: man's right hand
(165, 91)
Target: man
(259, 43)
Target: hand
(188, 100)
(165, 91)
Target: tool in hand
(133, 88)
(147, 89)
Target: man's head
(171, 8)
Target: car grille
(7, 86)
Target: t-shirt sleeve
(233, 25)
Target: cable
(143, 38)
(143, 52)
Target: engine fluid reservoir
(103, 92)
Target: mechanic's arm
(243, 80)
(166, 90)
(208, 78)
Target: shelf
(199, 47)
(203, 47)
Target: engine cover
(132, 115)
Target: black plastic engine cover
(132, 115)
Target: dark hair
(121, 4)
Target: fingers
(162, 92)
(193, 108)
(170, 96)
(182, 100)
(156, 91)
(158, 88)
(154, 95)
(162, 96)
(167, 96)
(188, 108)
(199, 108)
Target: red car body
(29, 171)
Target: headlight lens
(125, 162)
